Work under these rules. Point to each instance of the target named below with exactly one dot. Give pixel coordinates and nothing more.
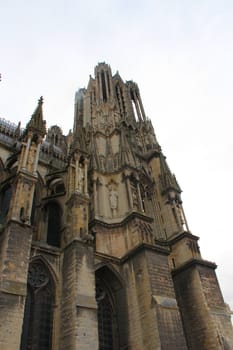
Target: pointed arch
(55, 184)
(112, 314)
(39, 307)
(43, 260)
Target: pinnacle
(168, 180)
(37, 124)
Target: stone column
(136, 105)
(85, 177)
(129, 192)
(139, 196)
(76, 174)
(35, 166)
(95, 194)
(141, 107)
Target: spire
(36, 125)
(104, 86)
(167, 179)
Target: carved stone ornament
(37, 275)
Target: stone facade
(95, 249)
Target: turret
(21, 204)
(17, 231)
(171, 192)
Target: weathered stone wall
(216, 305)
(168, 315)
(11, 311)
(15, 251)
(78, 306)
(139, 304)
(199, 326)
(154, 318)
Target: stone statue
(80, 177)
(113, 198)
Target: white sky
(181, 55)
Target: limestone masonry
(95, 249)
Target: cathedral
(95, 248)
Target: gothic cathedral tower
(96, 252)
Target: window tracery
(38, 314)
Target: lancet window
(38, 314)
(53, 212)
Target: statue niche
(113, 197)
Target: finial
(41, 100)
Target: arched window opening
(56, 186)
(53, 224)
(60, 188)
(105, 318)
(5, 198)
(104, 90)
(112, 311)
(56, 140)
(38, 314)
(109, 92)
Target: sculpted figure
(80, 177)
(113, 198)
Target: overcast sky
(181, 55)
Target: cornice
(121, 222)
(131, 253)
(193, 263)
(180, 236)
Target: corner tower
(19, 180)
(141, 232)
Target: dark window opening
(53, 224)
(104, 90)
(108, 83)
(38, 314)
(32, 219)
(112, 310)
(56, 140)
(5, 198)
(58, 189)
